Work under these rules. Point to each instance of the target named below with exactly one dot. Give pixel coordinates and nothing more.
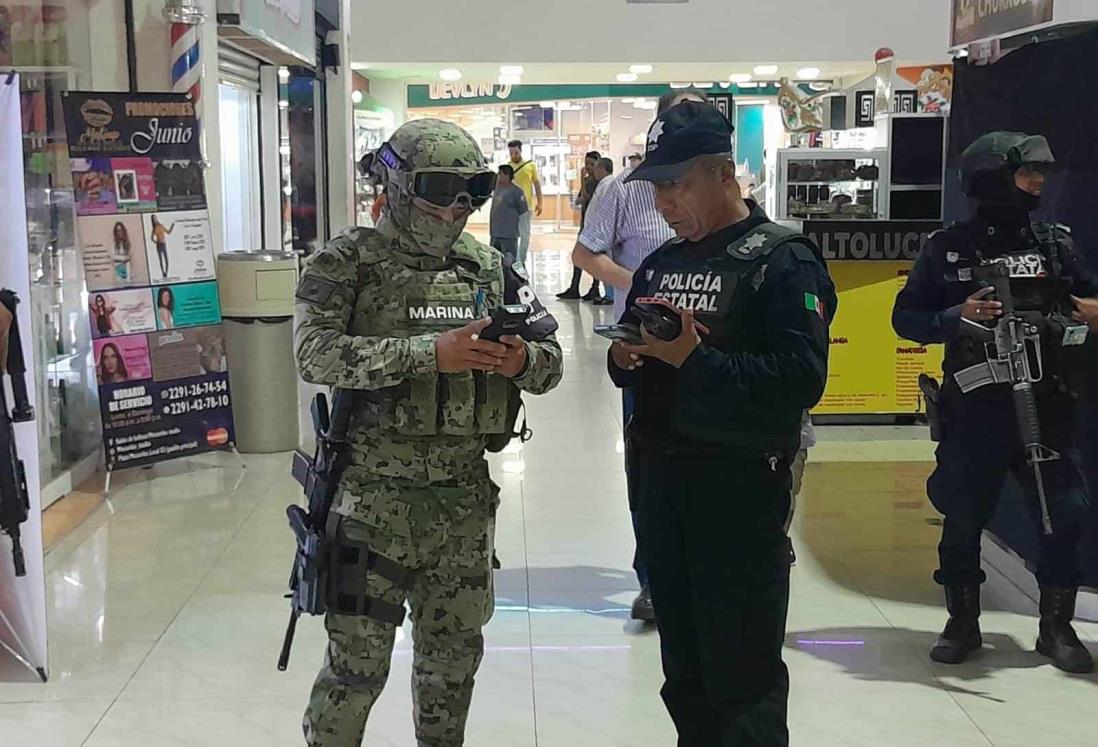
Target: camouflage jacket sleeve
(544, 366)
(326, 353)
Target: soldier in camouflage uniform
(395, 312)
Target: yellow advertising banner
(872, 371)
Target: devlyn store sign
(451, 94)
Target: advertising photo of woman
(122, 253)
(159, 237)
(165, 308)
(111, 368)
(103, 312)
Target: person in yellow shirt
(526, 178)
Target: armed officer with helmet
(948, 299)
(716, 427)
(396, 314)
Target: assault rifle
(14, 498)
(1013, 348)
(319, 475)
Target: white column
(341, 131)
(270, 176)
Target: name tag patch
(705, 292)
(442, 313)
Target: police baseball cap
(679, 135)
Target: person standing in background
(588, 183)
(635, 161)
(526, 178)
(508, 207)
(619, 234)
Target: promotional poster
(148, 258)
(113, 251)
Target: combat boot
(1057, 639)
(642, 607)
(962, 632)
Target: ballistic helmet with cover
(989, 164)
(440, 163)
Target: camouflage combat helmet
(988, 165)
(441, 149)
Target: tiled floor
(166, 609)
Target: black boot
(962, 633)
(642, 607)
(1058, 640)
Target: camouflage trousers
(444, 532)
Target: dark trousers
(979, 446)
(718, 568)
(577, 274)
(506, 247)
(627, 404)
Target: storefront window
(46, 43)
(302, 159)
(238, 113)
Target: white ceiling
(600, 73)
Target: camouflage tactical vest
(404, 295)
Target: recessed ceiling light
(704, 85)
(511, 70)
(283, 73)
(739, 77)
(808, 73)
(749, 84)
(766, 69)
(818, 86)
(724, 84)
(510, 80)
(449, 74)
(356, 97)
(548, 104)
(626, 77)
(680, 85)
(640, 69)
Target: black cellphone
(509, 319)
(658, 319)
(619, 333)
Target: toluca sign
(445, 91)
(870, 240)
(974, 20)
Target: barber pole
(186, 17)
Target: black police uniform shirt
(928, 309)
(744, 389)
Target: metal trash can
(257, 309)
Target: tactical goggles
(442, 187)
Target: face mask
(422, 231)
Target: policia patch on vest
(442, 313)
(706, 292)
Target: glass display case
(815, 183)
(47, 46)
(67, 407)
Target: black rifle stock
(14, 498)
(319, 476)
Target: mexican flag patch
(813, 304)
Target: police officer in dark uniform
(716, 428)
(980, 441)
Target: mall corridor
(177, 646)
